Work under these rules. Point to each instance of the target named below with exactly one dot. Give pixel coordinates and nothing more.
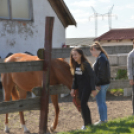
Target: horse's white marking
(6, 128)
(25, 128)
(63, 95)
(33, 95)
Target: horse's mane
(64, 62)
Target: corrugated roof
(79, 41)
(117, 34)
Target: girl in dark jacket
(84, 81)
(102, 73)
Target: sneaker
(83, 128)
(100, 122)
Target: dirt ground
(69, 118)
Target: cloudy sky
(81, 10)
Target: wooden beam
(115, 84)
(62, 12)
(61, 89)
(58, 89)
(21, 66)
(56, 53)
(53, 90)
(46, 76)
(20, 105)
(34, 103)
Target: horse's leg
(7, 98)
(7, 87)
(54, 99)
(22, 95)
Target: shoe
(83, 128)
(100, 122)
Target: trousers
(84, 95)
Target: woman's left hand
(72, 93)
(94, 93)
(98, 87)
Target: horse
(17, 84)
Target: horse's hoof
(7, 131)
(51, 129)
(27, 132)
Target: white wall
(115, 43)
(20, 37)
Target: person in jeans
(102, 72)
(130, 72)
(84, 81)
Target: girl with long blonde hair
(102, 73)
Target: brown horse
(26, 81)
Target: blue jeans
(101, 102)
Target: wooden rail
(20, 105)
(30, 103)
(21, 66)
(53, 90)
(34, 103)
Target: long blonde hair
(73, 62)
(98, 47)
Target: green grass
(121, 74)
(117, 126)
(116, 91)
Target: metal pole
(110, 23)
(46, 75)
(96, 25)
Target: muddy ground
(69, 118)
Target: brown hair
(73, 62)
(98, 47)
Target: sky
(123, 16)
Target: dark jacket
(84, 79)
(102, 70)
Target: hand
(94, 93)
(98, 87)
(72, 93)
(131, 82)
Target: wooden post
(46, 75)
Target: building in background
(116, 37)
(22, 24)
(79, 42)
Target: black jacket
(102, 70)
(84, 79)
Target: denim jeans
(101, 102)
(133, 98)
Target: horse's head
(62, 73)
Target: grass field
(117, 126)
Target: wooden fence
(42, 100)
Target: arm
(91, 74)
(74, 85)
(102, 68)
(130, 67)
